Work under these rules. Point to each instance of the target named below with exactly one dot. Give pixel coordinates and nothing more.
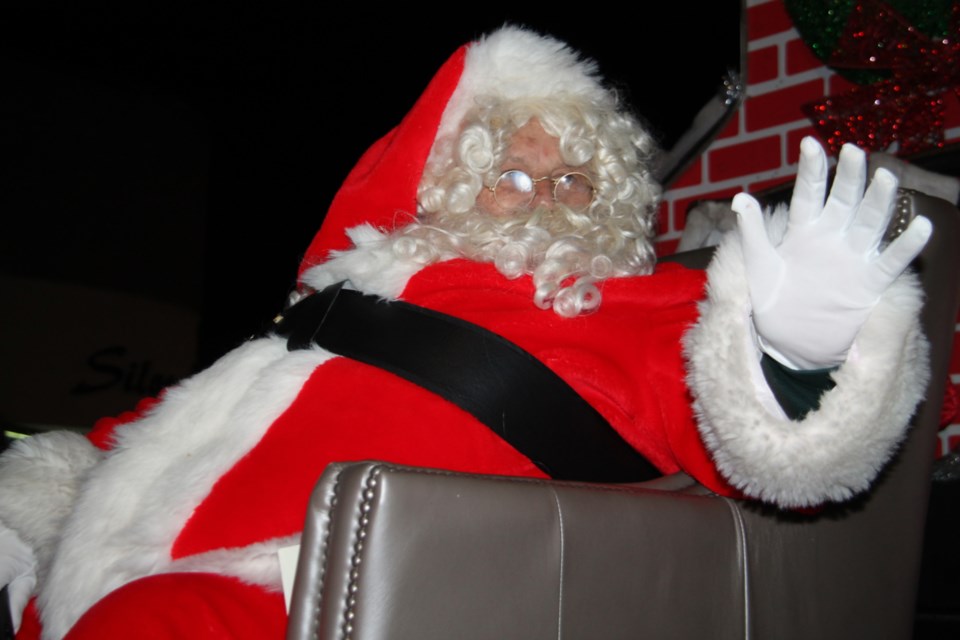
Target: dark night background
(187, 152)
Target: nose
(543, 193)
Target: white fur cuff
(837, 450)
(39, 480)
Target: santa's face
(536, 154)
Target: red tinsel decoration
(907, 108)
(950, 412)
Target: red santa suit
(170, 526)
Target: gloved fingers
(846, 192)
(873, 216)
(810, 188)
(901, 252)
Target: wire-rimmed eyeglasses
(514, 189)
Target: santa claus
(515, 196)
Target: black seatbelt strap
(500, 384)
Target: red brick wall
(759, 148)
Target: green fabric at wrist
(798, 392)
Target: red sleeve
(173, 606)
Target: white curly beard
(565, 252)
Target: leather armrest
(403, 555)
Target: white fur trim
(513, 63)
(135, 503)
(371, 266)
(255, 564)
(18, 572)
(39, 480)
(837, 450)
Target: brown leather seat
(393, 552)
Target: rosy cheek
(488, 204)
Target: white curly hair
(566, 252)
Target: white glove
(813, 291)
(18, 571)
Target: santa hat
(511, 63)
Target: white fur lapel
(372, 265)
(136, 502)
